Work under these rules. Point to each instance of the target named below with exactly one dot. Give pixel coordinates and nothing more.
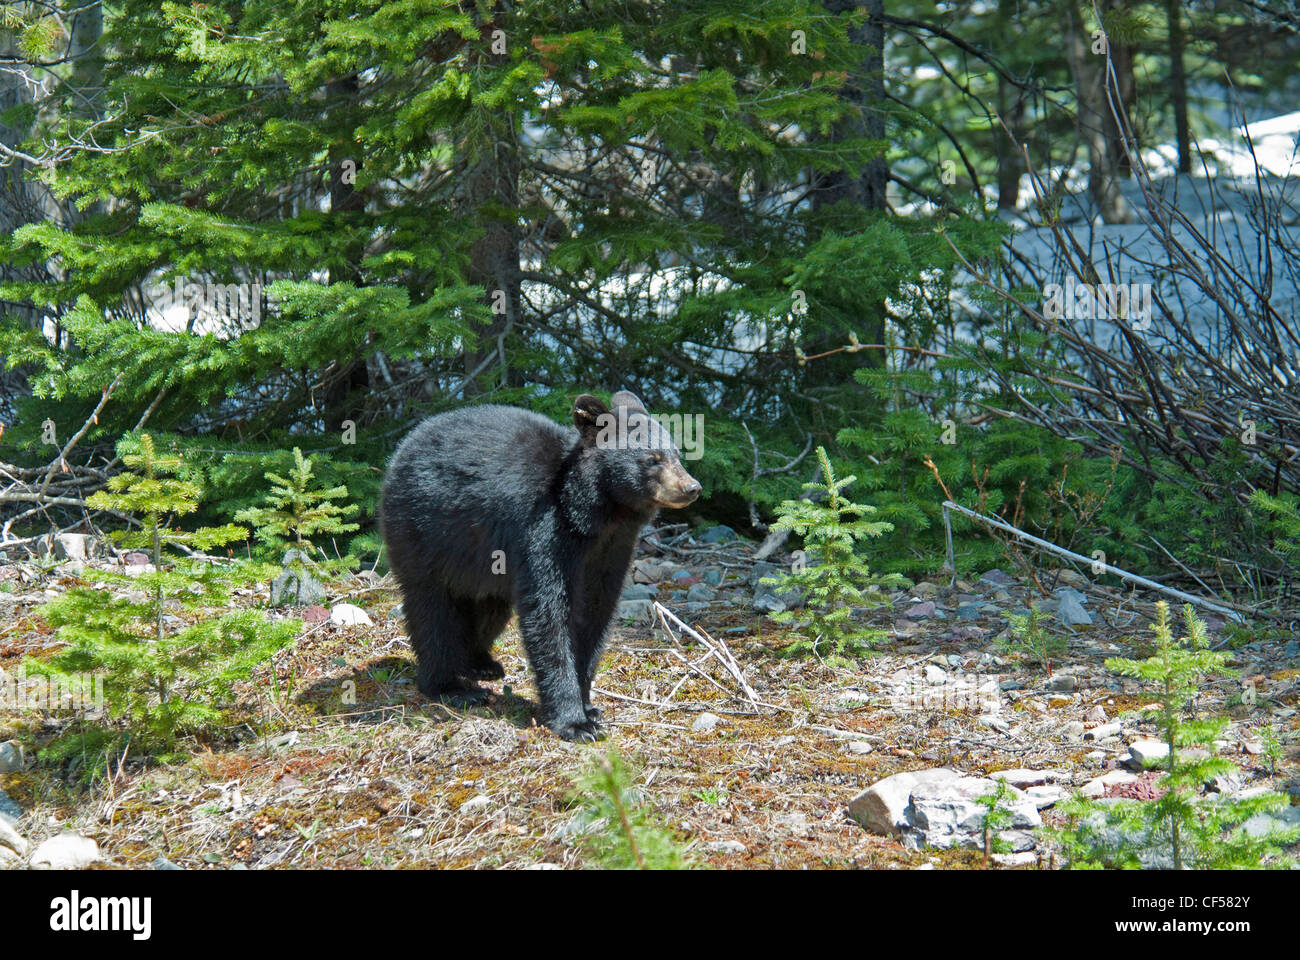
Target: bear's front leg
(544, 621)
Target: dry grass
(348, 766)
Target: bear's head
(640, 466)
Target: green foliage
(622, 833)
(996, 819)
(1180, 829)
(295, 512)
(834, 577)
(167, 663)
(1280, 518)
(1029, 635)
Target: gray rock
(475, 804)
(1146, 752)
(637, 611)
(881, 808)
(1097, 787)
(970, 611)
(726, 846)
(712, 576)
(920, 611)
(1010, 685)
(1022, 779)
(719, 534)
(934, 674)
(640, 591)
(75, 546)
(10, 812)
(1262, 824)
(1061, 683)
(997, 578)
(768, 603)
(948, 813)
(397, 612)
(67, 851)
(1072, 730)
(1071, 613)
(706, 723)
(11, 756)
(1064, 593)
(1046, 795)
(699, 593)
(162, 863)
(1104, 731)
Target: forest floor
(338, 762)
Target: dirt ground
(338, 762)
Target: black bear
(490, 508)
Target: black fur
(563, 507)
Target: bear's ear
(587, 411)
(630, 400)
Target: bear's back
(476, 462)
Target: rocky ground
(752, 759)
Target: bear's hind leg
(440, 635)
(488, 617)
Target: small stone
(10, 812)
(699, 594)
(162, 863)
(719, 534)
(1022, 859)
(1071, 613)
(1097, 787)
(1262, 824)
(67, 851)
(476, 804)
(858, 747)
(1105, 730)
(996, 577)
(136, 559)
(11, 757)
(1062, 682)
(768, 603)
(636, 611)
(1046, 795)
(706, 723)
(970, 611)
(317, 614)
(1146, 752)
(1096, 715)
(1021, 779)
(920, 611)
(925, 589)
(935, 675)
(1072, 730)
(727, 846)
(640, 591)
(349, 615)
(1010, 685)
(397, 613)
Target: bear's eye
(656, 458)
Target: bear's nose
(692, 489)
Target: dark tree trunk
(1178, 83)
(865, 93)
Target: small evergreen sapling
(161, 679)
(1029, 636)
(1179, 829)
(624, 833)
(836, 578)
(295, 513)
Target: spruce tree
(167, 658)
